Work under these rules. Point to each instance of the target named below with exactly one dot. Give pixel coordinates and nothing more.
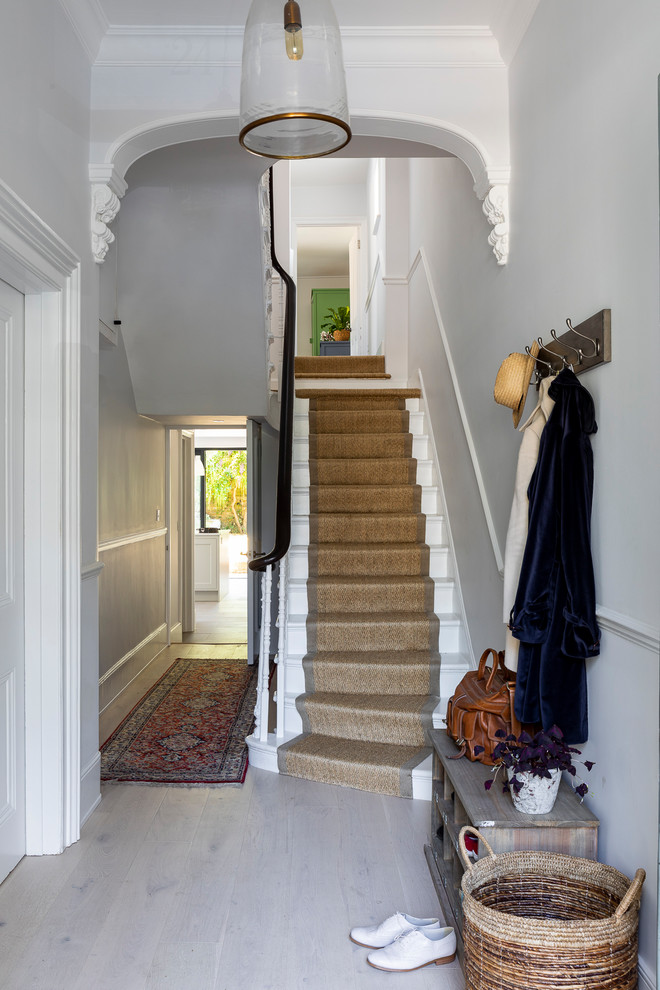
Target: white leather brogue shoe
(376, 936)
(418, 947)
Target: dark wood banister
(285, 452)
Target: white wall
(376, 203)
(44, 108)
(328, 201)
(584, 236)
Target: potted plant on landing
(534, 765)
(339, 323)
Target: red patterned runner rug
(190, 728)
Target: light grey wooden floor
(228, 888)
(224, 621)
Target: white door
(12, 642)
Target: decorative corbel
(496, 209)
(107, 190)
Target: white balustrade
(261, 708)
(280, 659)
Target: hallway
(227, 888)
(224, 621)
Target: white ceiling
(349, 12)
(330, 171)
(504, 20)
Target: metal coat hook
(591, 340)
(563, 343)
(540, 360)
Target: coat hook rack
(584, 347)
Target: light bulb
(293, 31)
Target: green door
(322, 301)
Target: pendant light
(293, 87)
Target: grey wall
(584, 236)
(131, 493)
(190, 281)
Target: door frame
(361, 228)
(187, 562)
(36, 262)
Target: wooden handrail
(285, 452)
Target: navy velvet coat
(554, 614)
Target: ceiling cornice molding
(511, 25)
(89, 22)
(364, 47)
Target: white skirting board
(90, 788)
(646, 981)
(120, 675)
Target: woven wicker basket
(545, 921)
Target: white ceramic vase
(538, 794)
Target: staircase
(374, 643)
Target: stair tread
(303, 548)
(357, 752)
(361, 393)
(395, 617)
(371, 580)
(407, 704)
(379, 580)
(369, 658)
(373, 618)
(349, 374)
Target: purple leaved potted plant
(533, 766)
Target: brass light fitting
(293, 30)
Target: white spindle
(261, 709)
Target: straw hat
(513, 380)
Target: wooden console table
(459, 798)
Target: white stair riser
(420, 448)
(300, 475)
(300, 530)
(425, 473)
(292, 719)
(416, 423)
(412, 405)
(295, 676)
(300, 449)
(451, 674)
(300, 426)
(449, 636)
(443, 598)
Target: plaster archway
(109, 185)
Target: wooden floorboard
(228, 888)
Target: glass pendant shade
(293, 86)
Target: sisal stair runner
(372, 665)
